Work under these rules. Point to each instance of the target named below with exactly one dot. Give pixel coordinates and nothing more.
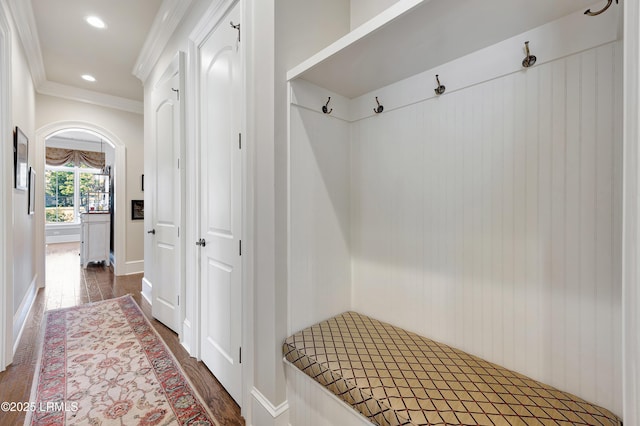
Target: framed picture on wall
(20, 158)
(137, 209)
(32, 191)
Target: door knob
(153, 231)
(201, 242)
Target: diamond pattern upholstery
(394, 377)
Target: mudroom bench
(395, 377)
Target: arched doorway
(119, 173)
(78, 179)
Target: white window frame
(76, 190)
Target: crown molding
(25, 23)
(165, 23)
(88, 96)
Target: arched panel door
(165, 196)
(221, 204)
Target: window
(67, 190)
(59, 196)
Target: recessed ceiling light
(96, 22)
(88, 77)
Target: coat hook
(530, 59)
(237, 27)
(325, 107)
(588, 12)
(440, 89)
(379, 108)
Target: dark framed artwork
(137, 209)
(32, 191)
(20, 158)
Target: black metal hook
(440, 89)
(325, 107)
(588, 12)
(379, 108)
(529, 60)
(237, 27)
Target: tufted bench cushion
(394, 377)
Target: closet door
(221, 205)
(166, 198)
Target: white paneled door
(221, 205)
(166, 204)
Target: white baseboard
(263, 412)
(56, 239)
(187, 336)
(21, 315)
(132, 267)
(146, 290)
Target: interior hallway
(69, 285)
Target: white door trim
(120, 205)
(6, 197)
(631, 211)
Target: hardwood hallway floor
(69, 285)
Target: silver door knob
(153, 231)
(201, 242)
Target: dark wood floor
(70, 285)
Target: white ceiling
(80, 139)
(70, 47)
(78, 135)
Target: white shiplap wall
(320, 259)
(490, 219)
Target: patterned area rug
(104, 363)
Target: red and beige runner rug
(104, 363)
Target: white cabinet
(94, 245)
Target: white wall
(128, 127)
(320, 256)
(363, 10)
(631, 206)
(6, 196)
(23, 113)
(285, 33)
(490, 219)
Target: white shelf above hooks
(416, 35)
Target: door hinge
(178, 163)
(240, 248)
(178, 300)
(178, 232)
(239, 140)
(240, 355)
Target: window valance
(61, 156)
